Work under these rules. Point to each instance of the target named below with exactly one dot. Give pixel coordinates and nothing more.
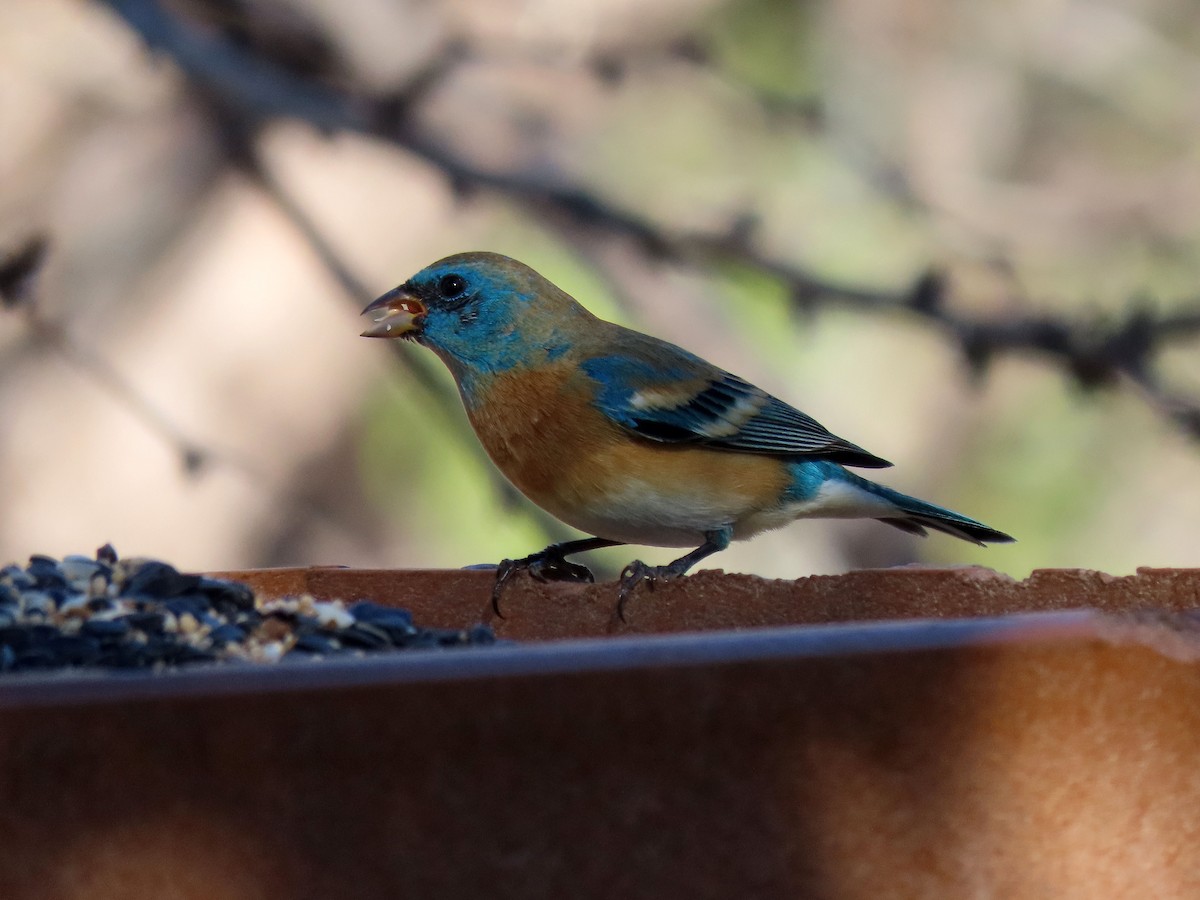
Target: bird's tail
(914, 516)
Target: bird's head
(480, 312)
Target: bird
(626, 437)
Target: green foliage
(767, 44)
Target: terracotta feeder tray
(906, 732)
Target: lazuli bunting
(627, 437)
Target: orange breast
(542, 431)
(538, 427)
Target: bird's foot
(637, 573)
(545, 565)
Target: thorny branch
(255, 88)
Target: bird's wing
(663, 393)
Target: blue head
(482, 313)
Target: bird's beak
(396, 314)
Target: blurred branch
(419, 367)
(242, 150)
(19, 273)
(1095, 353)
(259, 86)
(779, 107)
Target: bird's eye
(450, 286)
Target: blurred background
(964, 236)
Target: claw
(542, 566)
(504, 571)
(636, 573)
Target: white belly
(640, 514)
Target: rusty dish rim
(545, 658)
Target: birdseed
(139, 613)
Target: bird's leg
(637, 571)
(549, 565)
